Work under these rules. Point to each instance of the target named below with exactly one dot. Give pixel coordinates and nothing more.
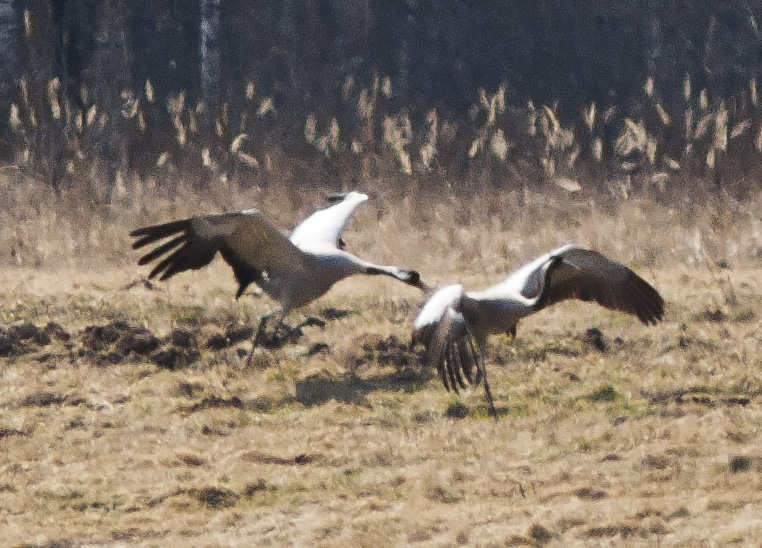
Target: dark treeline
(436, 53)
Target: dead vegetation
(128, 417)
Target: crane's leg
(487, 391)
(480, 349)
(259, 334)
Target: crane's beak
(419, 283)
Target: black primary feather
(150, 234)
(184, 252)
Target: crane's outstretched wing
(247, 241)
(324, 227)
(577, 273)
(443, 329)
(527, 280)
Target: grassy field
(128, 417)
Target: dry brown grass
(654, 441)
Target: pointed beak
(416, 281)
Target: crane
(454, 325)
(293, 270)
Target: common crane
(454, 325)
(292, 270)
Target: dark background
(305, 53)
(438, 53)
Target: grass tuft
(216, 498)
(605, 393)
(457, 410)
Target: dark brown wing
(247, 241)
(587, 275)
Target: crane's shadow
(351, 388)
(400, 371)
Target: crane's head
(411, 277)
(337, 197)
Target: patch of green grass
(586, 445)
(216, 498)
(259, 491)
(28, 310)
(275, 376)
(89, 309)
(745, 316)
(483, 412)
(425, 416)
(347, 477)
(190, 316)
(105, 507)
(261, 404)
(605, 393)
(457, 410)
(59, 496)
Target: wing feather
(324, 227)
(161, 250)
(527, 280)
(590, 276)
(149, 234)
(432, 312)
(443, 329)
(448, 349)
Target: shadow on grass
(482, 411)
(459, 410)
(320, 388)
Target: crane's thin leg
(487, 392)
(258, 336)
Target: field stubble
(127, 417)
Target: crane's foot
(282, 335)
(278, 337)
